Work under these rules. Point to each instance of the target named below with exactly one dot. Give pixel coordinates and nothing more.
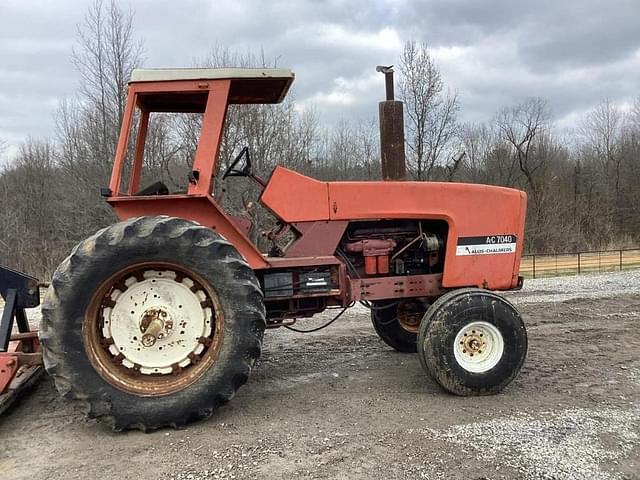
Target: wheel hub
(473, 344)
(155, 325)
(478, 347)
(409, 314)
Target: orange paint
(294, 197)
(210, 137)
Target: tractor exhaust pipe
(391, 131)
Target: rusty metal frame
(405, 286)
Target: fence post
(599, 262)
(620, 259)
(534, 266)
(578, 263)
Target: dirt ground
(341, 404)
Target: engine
(391, 247)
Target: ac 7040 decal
(486, 245)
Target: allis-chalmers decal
(486, 245)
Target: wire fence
(555, 264)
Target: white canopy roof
(168, 74)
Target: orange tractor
(157, 320)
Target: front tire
(152, 322)
(472, 342)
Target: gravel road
(341, 404)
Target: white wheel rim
(183, 320)
(478, 347)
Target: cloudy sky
(495, 53)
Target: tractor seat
(157, 188)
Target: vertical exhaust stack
(391, 131)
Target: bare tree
(602, 129)
(105, 58)
(368, 167)
(431, 113)
(485, 160)
(521, 126)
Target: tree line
(582, 186)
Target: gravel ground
(340, 404)
(560, 289)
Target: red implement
(20, 353)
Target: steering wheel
(245, 171)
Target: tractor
(158, 320)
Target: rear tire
(219, 328)
(472, 342)
(396, 322)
